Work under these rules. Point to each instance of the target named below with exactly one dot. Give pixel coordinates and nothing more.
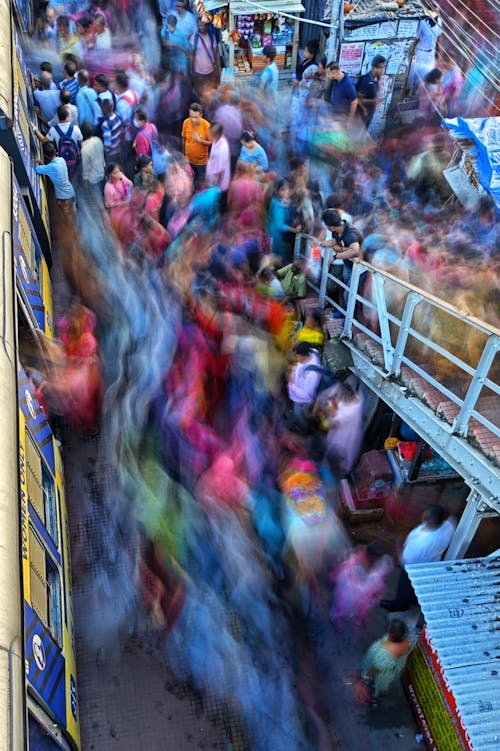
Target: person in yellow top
(312, 330)
(196, 141)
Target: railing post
(411, 303)
(383, 320)
(351, 291)
(325, 267)
(296, 245)
(466, 528)
(461, 423)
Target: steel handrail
(395, 354)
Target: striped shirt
(71, 85)
(112, 133)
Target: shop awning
(485, 133)
(265, 6)
(371, 11)
(461, 606)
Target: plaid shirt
(112, 133)
(71, 85)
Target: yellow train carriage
(37, 665)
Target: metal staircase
(435, 366)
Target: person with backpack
(206, 59)
(303, 383)
(55, 168)
(147, 142)
(67, 139)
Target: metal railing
(452, 352)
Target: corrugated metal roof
(461, 604)
(265, 6)
(371, 11)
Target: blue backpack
(159, 155)
(68, 149)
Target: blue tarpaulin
(485, 132)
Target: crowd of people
(177, 201)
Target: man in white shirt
(425, 544)
(103, 34)
(219, 162)
(47, 99)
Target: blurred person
(47, 99)
(343, 98)
(312, 330)
(112, 132)
(146, 133)
(148, 198)
(117, 197)
(424, 54)
(425, 544)
(228, 114)
(92, 152)
(65, 99)
(186, 22)
(358, 583)
(102, 40)
(319, 81)
(280, 219)
(269, 78)
(246, 193)
(176, 45)
(218, 170)
(127, 101)
(425, 172)
(86, 99)
(252, 152)
(174, 94)
(269, 285)
(430, 97)
(451, 85)
(302, 384)
(101, 87)
(306, 68)
(367, 89)
(68, 43)
(385, 660)
(344, 420)
(206, 59)
(51, 27)
(73, 379)
(196, 141)
(56, 170)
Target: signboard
(351, 58)
(45, 665)
(362, 32)
(408, 29)
(432, 700)
(375, 48)
(386, 30)
(398, 60)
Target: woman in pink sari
(117, 195)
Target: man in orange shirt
(196, 141)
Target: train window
(54, 601)
(45, 587)
(38, 578)
(41, 489)
(34, 478)
(49, 493)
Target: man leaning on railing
(344, 240)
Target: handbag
(363, 689)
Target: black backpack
(68, 149)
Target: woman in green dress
(384, 661)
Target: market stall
(475, 165)
(452, 677)
(370, 29)
(253, 25)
